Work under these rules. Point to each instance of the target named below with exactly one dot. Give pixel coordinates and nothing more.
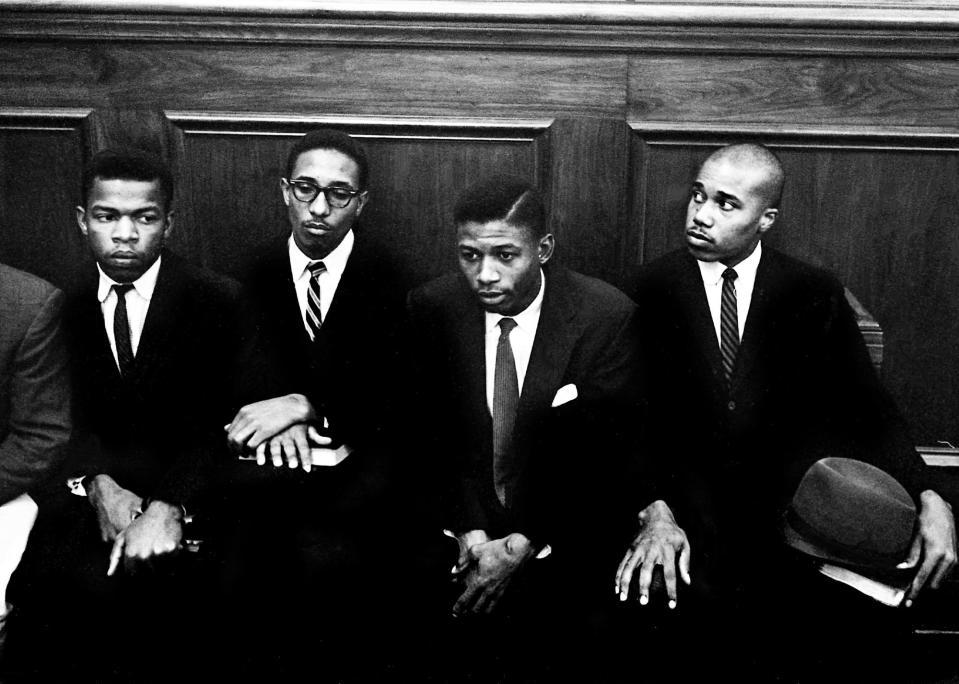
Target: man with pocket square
(524, 374)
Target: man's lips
(696, 235)
(490, 294)
(315, 225)
(124, 256)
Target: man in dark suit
(311, 525)
(34, 409)
(149, 337)
(524, 372)
(756, 369)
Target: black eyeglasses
(336, 196)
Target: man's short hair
(502, 198)
(329, 139)
(757, 156)
(128, 164)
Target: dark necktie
(505, 400)
(314, 316)
(121, 330)
(729, 323)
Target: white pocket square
(565, 394)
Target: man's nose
(125, 230)
(319, 206)
(703, 215)
(488, 272)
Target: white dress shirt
(520, 339)
(335, 263)
(712, 273)
(138, 303)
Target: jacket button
(731, 405)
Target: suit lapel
(693, 299)
(469, 335)
(162, 312)
(551, 350)
(756, 319)
(100, 355)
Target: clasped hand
(486, 568)
(279, 428)
(158, 531)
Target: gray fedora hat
(851, 513)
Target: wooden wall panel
(795, 91)
(233, 167)
(40, 164)
(884, 220)
(313, 80)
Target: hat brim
(799, 542)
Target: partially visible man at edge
(34, 410)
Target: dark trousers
(73, 621)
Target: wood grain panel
(588, 196)
(796, 92)
(314, 80)
(882, 220)
(40, 163)
(233, 170)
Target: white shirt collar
(528, 317)
(144, 285)
(335, 261)
(712, 271)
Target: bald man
(756, 369)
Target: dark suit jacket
(34, 384)
(802, 388)
(156, 433)
(348, 374)
(567, 457)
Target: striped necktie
(314, 315)
(121, 330)
(729, 323)
(505, 401)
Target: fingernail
(908, 603)
(622, 596)
(672, 604)
(643, 600)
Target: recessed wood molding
(43, 119)
(755, 26)
(399, 127)
(900, 138)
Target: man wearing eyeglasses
(322, 306)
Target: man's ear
(768, 219)
(361, 201)
(169, 225)
(82, 214)
(285, 189)
(545, 248)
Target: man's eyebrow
(333, 184)
(727, 196)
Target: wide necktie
(505, 401)
(314, 315)
(729, 323)
(121, 330)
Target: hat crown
(849, 512)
